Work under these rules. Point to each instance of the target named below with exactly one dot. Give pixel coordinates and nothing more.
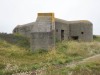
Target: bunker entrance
(75, 37)
(62, 34)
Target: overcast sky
(17, 12)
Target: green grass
(96, 38)
(15, 58)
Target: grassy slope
(15, 58)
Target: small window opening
(82, 32)
(75, 37)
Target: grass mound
(15, 39)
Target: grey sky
(14, 12)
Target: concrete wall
(82, 29)
(42, 35)
(61, 25)
(24, 29)
(42, 40)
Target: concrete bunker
(47, 29)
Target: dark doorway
(75, 37)
(82, 32)
(62, 34)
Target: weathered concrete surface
(42, 40)
(61, 25)
(82, 29)
(24, 29)
(42, 34)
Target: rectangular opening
(74, 37)
(62, 34)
